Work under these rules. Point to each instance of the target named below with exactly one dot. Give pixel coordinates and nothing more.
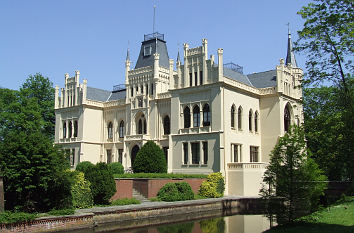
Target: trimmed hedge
(214, 186)
(150, 159)
(116, 168)
(125, 201)
(159, 175)
(175, 192)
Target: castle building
(207, 116)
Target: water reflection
(230, 224)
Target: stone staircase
(137, 195)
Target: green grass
(153, 199)
(336, 218)
(159, 175)
(125, 201)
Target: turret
(220, 65)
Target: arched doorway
(135, 151)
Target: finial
(289, 34)
(153, 23)
(290, 56)
(178, 57)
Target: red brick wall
(124, 189)
(149, 187)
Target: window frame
(206, 115)
(186, 117)
(196, 116)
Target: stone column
(2, 203)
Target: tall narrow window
(140, 102)
(196, 116)
(287, 118)
(142, 89)
(131, 92)
(187, 117)
(205, 152)
(70, 129)
(239, 118)
(109, 156)
(144, 126)
(110, 130)
(75, 129)
(256, 121)
(206, 115)
(152, 88)
(64, 129)
(120, 156)
(201, 77)
(166, 125)
(185, 153)
(195, 153)
(235, 154)
(190, 79)
(121, 129)
(147, 89)
(232, 116)
(140, 127)
(196, 78)
(250, 115)
(253, 154)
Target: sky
(55, 37)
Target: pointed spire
(178, 57)
(128, 56)
(290, 56)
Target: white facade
(234, 119)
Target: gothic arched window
(287, 118)
(239, 118)
(121, 129)
(196, 116)
(64, 130)
(256, 121)
(250, 115)
(232, 116)
(140, 127)
(75, 129)
(110, 130)
(187, 117)
(166, 125)
(206, 115)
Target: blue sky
(56, 37)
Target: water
(229, 224)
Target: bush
(175, 192)
(185, 191)
(214, 186)
(12, 217)
(84, 166)
(150, 159)
(125, 201)
(102, 182)
(168, 192)
(81, 191)
(116, 168)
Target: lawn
(337, 218)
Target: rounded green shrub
(81, 191)
(214, 186)
(102, 182)
(168, 192)
(185, 191)
(150, 159)
(116, 168)
(84, 166)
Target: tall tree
(293, 175)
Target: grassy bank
(337, 218)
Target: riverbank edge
(146, 214)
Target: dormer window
(147, 50)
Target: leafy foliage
(213, 187)
(150, 159)
(158, 175)
(34, 170)
(168, 192)
(81, 191)
(125, 201)
(102, 182)
(293, 175)
(185, 191)
(116, 168)
(15, 217)
(84, 166)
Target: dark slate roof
(117, 95)
(237, 76)
(161, 49)
(264, 79)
